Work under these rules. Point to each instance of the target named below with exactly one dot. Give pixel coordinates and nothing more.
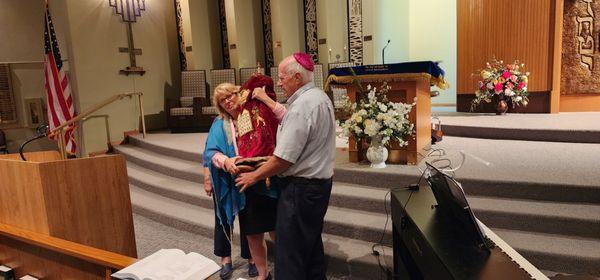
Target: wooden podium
(405, 86)
(65, 219)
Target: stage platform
(541, 197)
(581, 127)
(512, 161)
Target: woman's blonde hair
(220, 90)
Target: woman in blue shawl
(257, 208)
(219, 158)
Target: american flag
(60, 103)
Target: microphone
(383, 52)
(41, 131)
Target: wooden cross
(132, 68)
(129, 11)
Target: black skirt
(260, 213)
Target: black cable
(376, 253)
(386, 270)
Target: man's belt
(302, 180)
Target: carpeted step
(167, 186)
(353, 223)
(556, 252)
(532, 190)
(163, 149)
(545, 135)
(524, 178)
(347, 256)
(343, 222)
(550, 217)
(359, 197)
(384, 179)
(188, 170)
(582, 220)
(578, 127)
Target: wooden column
(557, 56)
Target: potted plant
(374, 117)
(506, 85)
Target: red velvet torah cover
(261, 140)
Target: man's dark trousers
(300, 212)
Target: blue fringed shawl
(228, 198)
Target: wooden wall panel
(46, 264)
(580, 103)
(508, 30)
(92, 204)
(21, 196)
(44, 156)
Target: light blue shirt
(306, 134)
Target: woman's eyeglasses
(227, 98)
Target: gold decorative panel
(580, 72)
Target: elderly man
(304, 159)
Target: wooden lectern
(65, 219)
(405, 86)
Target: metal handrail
(106, 125)
(60, 130)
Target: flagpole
(61, 144)
(48, 28)
(61, 139)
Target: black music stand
(451, 201)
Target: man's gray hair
(294, 67)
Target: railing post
(61, 143)
(107, 129)
(142, 114)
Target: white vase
(377, 154)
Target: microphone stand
(42, 131)
(383, 52)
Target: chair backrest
(246, 73)
(219, 76)
(339, 94)
(275, 77)
(2, 140)
(318, 75)
(341, 65)
(193, 83)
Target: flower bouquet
(375, 117)
(504, 84)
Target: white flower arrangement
(376, 116)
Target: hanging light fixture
(128, 9)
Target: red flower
(521, 85)
(506, 74)
(498, 87)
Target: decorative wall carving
(8, 109)
(267, 34)
(180, 38)
(224, 40)
(355, 33)
(310, 29)
(585, 31)
(581, 47)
